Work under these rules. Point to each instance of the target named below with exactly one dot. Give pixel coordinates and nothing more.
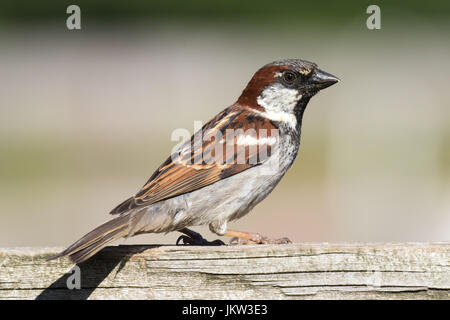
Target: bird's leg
(239, 237)
(194, 238)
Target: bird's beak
(322, 79)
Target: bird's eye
(289, 77)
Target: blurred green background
(86, 116)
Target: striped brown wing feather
(187, 173)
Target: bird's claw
(198, 241)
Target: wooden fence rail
(295, 271)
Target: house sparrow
(225, 169)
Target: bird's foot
(198, 242)
(240, 237)
(195, 239)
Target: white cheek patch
(279, 103)
(278, 98)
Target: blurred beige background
(86, 117)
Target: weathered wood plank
(295, 271)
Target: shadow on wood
(94, 271)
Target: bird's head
(283, 88)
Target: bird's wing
(235, 140)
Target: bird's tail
(95, 240)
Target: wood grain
(294, 271)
